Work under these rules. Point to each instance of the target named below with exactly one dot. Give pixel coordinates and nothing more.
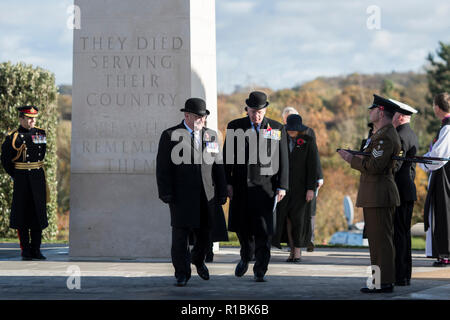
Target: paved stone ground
(325, 274)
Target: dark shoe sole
(385, 290)
(180, 284)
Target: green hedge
(22, 84)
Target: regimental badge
(367, 143)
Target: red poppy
(300, 141)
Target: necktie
(194, 140)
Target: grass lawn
(16, 240)
(417, 243)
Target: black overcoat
(29, 203)
(180, 184)
(303, 162)
(241, 174)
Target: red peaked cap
(29, 111)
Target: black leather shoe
(38, 256)
(241, 268)
(181, 281)
(26, 258)
(385, 288)
(310, 247)
(402, 283)
(202, 271)
(259, 278)
(441, 263)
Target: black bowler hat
(257, 100)
(195, 105)
(294, 123)
(384, 103)
(29, 111)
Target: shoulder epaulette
(11, 132)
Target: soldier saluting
(23, 153)
(378, 194)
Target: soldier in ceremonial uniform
(253, 185)
(404, 178)
(23, 153)
(378, 194)
(193, 187)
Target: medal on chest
(39, 139)
(272, 134)
(212, 147)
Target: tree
(387, 88)
(22, 84)
(438, 75)
(438, 72)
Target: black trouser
(259, 245)
(31, 226)
(24, 238)
(402, 241)
(255, 237)
(181, 255)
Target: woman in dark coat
(293, 213)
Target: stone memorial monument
(135, 63)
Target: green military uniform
(378, 196)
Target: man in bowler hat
(253, 184)
(23, 153)
(191, 180)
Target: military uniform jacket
(406, 170)
(30, 194)
(181, 184)
(243, 174)
(377, 187)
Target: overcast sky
(267, 42)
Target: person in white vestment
(437, 204)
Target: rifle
(426, 160)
